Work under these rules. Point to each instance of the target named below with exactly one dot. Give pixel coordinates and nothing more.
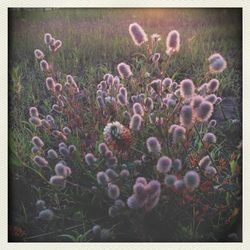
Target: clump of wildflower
(102, 178)
(153, 145)
(177, 164)
(58, 180)
(217, 63)
(187, 88)
(135, 122)
(164, 165)
(90, 159)
(46, 215)
(204, 162)
(39, 54)
(44, 66)
(191, 180)
(204, 111)
(213, 85)
(209, 138)
(156, 57)
(37, 142)
(138, 34)
(170, 180)
(173, 42)
(186, 116)
(40, 161)
(113, 191)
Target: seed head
(102, 178)
(35, 121)
(186, 116)
(179, 134)
(113, 191)
(209, 138)
(90, 159)
(210, 172)
(153, 145)
(40, 161)
(47, 38)
(170, 180)
(204, 111)
(66, 130)
(103, 148)
(44, 66)
(213, 85)
(204, 162)
(46, 215)
(177, 165)
(122, 99)
(211, 98)
(52, 154)
(64, 151)
(111, 174)
(191, 179)
(156, 57)
(217, 63)
(39, 54)
(124, 173)
(179, 185)
(62, 170)
(124, 70)
(173, 42)
(164, 164)
(57, 180)
(50, 84)
(187, 88)
(37, 142)
(137, 33)
(135, 122)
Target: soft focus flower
(210, 172)
(39, 54)
(213, 85)
(209, 138)
(47, 38)
(44, 66)
(52, 154)
(177, 164)
(179, 134)
(211, 98)
(204, 162)
(113, 191)
(204, 111)
(164, 164)
(40, 161)
(37, 142)
(58, 181)
(124, 173)
(153, 145)
(170, 180)
(124, 70)
(173, 42)
(179, 185)
(191, 179)
(156, 57)
(46, 215)
(35, 121)
(186, 116)
(217, 63)
(187, 88)
(102, 178)
(137, 33)
(155, 38)
(135, 122)
(103, 148)
(90, 159)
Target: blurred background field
(94, 42)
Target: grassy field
(94, 42)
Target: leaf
(233, 164)
(71, 237)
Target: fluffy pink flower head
(164, 165)
(186, 116)
(138, 34)
(187, 88)
(135, 122)
(173, 42)
(124, 70)
(153, 145)
(39, 54)
(217, 63)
